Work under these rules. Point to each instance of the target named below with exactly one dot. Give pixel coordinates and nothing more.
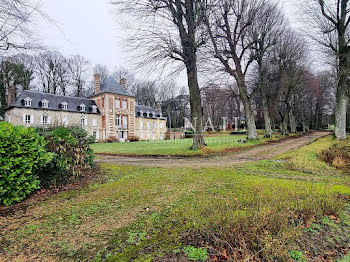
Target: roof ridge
(40, 92)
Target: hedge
(22, 154)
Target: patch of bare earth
(260, 152)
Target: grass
(140, 214)
(216, 142)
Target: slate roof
(55, 102)
(111, 85)
(153, 113)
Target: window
(45, 120)
(64, 121)
(27, 119)
(118, 121)
(95, 134)
(153, 125)
(94, 122)
(82, 122)
(142, 136)
(64, 105)
(141, 124)
(125, 122)
(153, 136)
(147, 125)
(28, 101)
(45, 103)
(160, 125)
(124, 104)
(82, 107)
(94, 109)
(117, 103)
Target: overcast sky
(88, 27)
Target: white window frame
(45, 103)
(45, 120)
(28, 101)
(64, 105)
(82, 122)
(124, 104)
(27, 119)
(117, 103)
(94, 109)
(82, 107)
(160, 125)
(118, 121)
(125, 122)
(141, 124)
(154, 125)
(94, 122)
(147, 125)
(64, 121)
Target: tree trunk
(248, 109)
(267, 119)
(195, 102)
(292, 122)
(340, 114)
(284, 125)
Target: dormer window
(64, 105)
(28, 101)
(45, 103)
(82, 107)
(94, 109)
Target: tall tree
(51, 68)
(172, 30)
(79, 67)
(229, 25)
(266, 32)
(330, 27)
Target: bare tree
(266, 32)
(79, 68)
(330, 23)
(51, 68)
(171, 30)
(16, 20)
(229, 25)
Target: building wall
(150, 129)
(109, 113)
(92, 121)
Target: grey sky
(88, 27)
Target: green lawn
(216, 142)
(140, 213)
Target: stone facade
(150, 129)
(34, 117)
(109, 115)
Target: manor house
(111, 114)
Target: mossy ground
(262, 209)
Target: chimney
(123, 82)
(11, 96)
(97, 78)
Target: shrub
(22, 153)
(72, 155)
(338, 155)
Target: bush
(22, 154)
(338, 155)
(72, 155)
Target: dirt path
(261, 152)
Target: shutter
(98, 135)
(85, 122)
(49, 120)
(42, 120)
(32, 119)
(24, 118)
